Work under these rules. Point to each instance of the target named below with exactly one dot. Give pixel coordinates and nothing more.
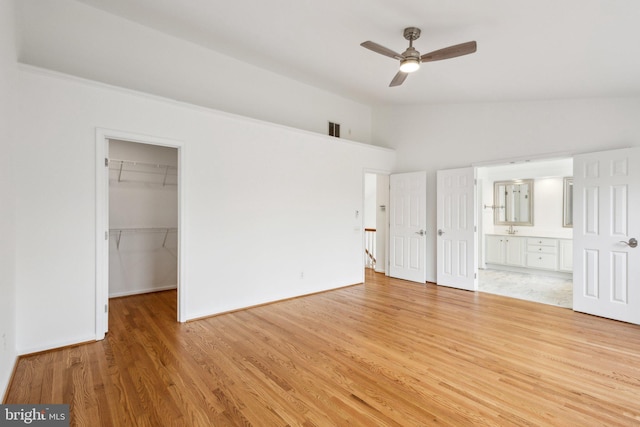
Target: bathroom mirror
(513, 201)
(567, 204)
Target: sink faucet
(512, 230)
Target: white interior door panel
(407, 226)
(606, 259)
(456, 235)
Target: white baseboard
(54, 345)
(142, 291)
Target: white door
(606, 278)
(456, 238)
(407, 225)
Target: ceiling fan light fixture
(409, 65)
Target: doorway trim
(102, 220)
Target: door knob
(632, 243)
(421, 232)
(440, 232)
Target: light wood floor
(386, 353)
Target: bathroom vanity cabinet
(506, 250)
(540, 253)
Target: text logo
(34, 415)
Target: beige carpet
(531, 287)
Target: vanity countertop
(550, 235)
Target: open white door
(456, 240)
(407, 224)
(606, 278)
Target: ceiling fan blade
(450, 52)
(381, 50)
(398, 79)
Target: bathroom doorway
(524, 259)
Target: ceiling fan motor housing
(412, 53)
(412, 33)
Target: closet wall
(143, 218)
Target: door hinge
(475, 275)
(106, 308)
(106, 162)
(475, 228)
(106, 235)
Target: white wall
(143, 206)
(7, 198)
(370, 194)
(269, 211)
(434, 137)
(74, 38)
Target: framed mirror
(513, 201)
(567, 203)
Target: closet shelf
(153, 171)
(117, 232)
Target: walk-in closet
(143, 218)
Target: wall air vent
(334, 129)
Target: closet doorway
(143, 218)
(138, 217)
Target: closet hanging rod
(146, 164)
(135, 166)
(144, 230)
(117, 232)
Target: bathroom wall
(548, 188)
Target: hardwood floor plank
(387, 352)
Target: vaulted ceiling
(547, 49)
